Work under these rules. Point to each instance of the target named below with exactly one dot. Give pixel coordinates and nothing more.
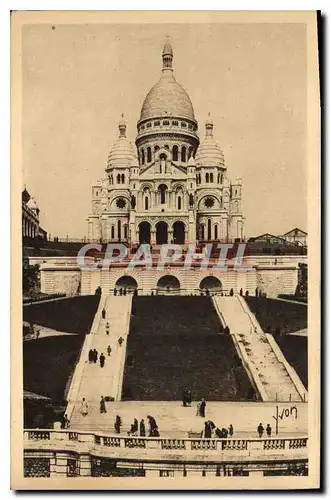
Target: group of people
(138, 429)
(260, 430)
(211, 430)
(93, 356)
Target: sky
(78, 79)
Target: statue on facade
(191, 198)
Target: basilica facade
(170, 187)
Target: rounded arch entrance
(161, 233)
(211, 283)
(126, 282)
(179, 232)
(168, 284)
(144, 232)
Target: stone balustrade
(97, 443)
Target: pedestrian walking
(230, 430)
(198, 409)
(65, 422)
(108, 350)
(142, 428)
(90, 356)
(184, 398)
(102, 360)
(207, 431)
(268, 430)
(260, 430)
(103, 405)
(189, 397)
(103, 313)
(203, 408)
(120, 341)
(153, 429)
(84, 407)
(117, 424)
(107, 328)
(95, 355)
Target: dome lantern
(122, 126)
(167, 56)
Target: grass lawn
(175, 342)
(49, 362)
(72, 315)
(294, 348)
(278, 316)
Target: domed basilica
(170, 188)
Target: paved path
(107, 381)
(175, 421)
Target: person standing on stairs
(90, 356)
(103, 313)
(95, 355)
(108, 350)
(102, 360)
(84, 407)
(103, 405)
(107, 328)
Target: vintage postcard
(165, 250)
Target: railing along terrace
(95, 442)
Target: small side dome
(32, 204)
(210, 152)
(191, 162)
(122, 153)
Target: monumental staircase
(268, 369)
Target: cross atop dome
(167, 55)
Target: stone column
(153, 237)
(85, 465)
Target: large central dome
(167, 97)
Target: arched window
(183, 155)
(125, 232)
(162, 191)
(112, 232)
(221, 178)
(149, 155)
(215, 232)
(142, 155)
(211, 178)
(146, 202)
(123, 178)
(218, 178)
(179, 202)
(202, 231)
(207, 177)
(209, 230)
(175, 153)
(118, 178)
(156, 149)
(119, 230)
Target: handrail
(290, 370)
